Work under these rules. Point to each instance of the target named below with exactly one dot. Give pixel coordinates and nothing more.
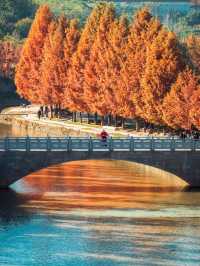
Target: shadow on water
(191, 189)
(11, 210)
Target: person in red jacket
(104, 135)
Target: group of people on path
(194, 135)
(45, 111)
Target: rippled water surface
(99, 213)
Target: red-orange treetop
(27, 76)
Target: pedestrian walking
(39, 114)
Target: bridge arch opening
(116, 173)
(100, 185)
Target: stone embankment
(25, 122)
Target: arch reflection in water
(104, 213)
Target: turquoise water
(91, 213)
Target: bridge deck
(92, 144)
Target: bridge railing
(92, 144)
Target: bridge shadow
(11, 207)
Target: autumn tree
(53, 66)
(114, 58)
(72, 36)
(97, 88)
(143, 31)
(177, 104)
(164, 62)
(9, 57)
(195, 110)
(76, 101)
(28, 74)
(193, 48)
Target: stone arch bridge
(20, 157)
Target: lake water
(99, 213)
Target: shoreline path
(29, 113)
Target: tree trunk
(59, 111)
(88, 118)
(96, 118)
(137, 125)
(115, 120)
(109, 119)
(73, 116)
(102, 120)
(123, 123)
(81, 118)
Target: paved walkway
(29, 113)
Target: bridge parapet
(92, 144)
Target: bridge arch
(15, 165)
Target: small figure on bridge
(104, 135)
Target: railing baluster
(152, 144)
(69, 144)
(48, 144)
(28, 148)
(6, 144)
(110, 144)
(172, 144)
(132, 144)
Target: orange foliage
(193, 47)
(9, 57)
(75, 93)
(164, 62)
(111, 67)
(195, 110)
(53, 65)
(177, 104)
(142, 32)
(70, 46)
(97, 76)
(116, 96)
(28, 74)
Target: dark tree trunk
(123, 123)
(96, 118)
(137, 125)
(109, 120)
(81, 118)
(102, 120)
(59, 111)
(88, 118)
(115, 121)
(74, 117)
